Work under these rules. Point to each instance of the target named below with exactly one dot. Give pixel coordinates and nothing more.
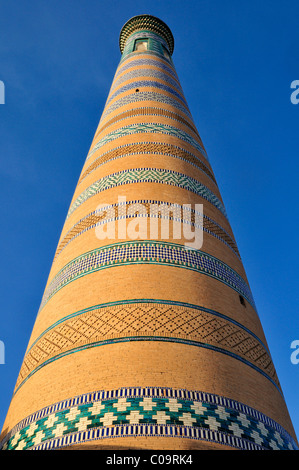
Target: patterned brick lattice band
(147, 321)
(147, 148)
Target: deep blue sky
(235, 60)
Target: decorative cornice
(149, 23)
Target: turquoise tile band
(150, 411)
(155, 128)
(148, 175)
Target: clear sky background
(235, 60)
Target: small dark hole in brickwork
(137, 89)
(242, 301)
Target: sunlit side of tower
(146, 337)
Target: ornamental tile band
(146, 128)
(146, 84)
(148, 61)
(149, 411)
(145, 96)
(148, 175)
(148, 111)
(162, 253)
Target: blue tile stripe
(145, 96)
(147, 252)
(143, 84)
(147, 175)
(148, 61)
(149, 73)
(147, 127)
(149, 411)
(145, 72)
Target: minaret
(147, 336)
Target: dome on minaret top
(148, 23)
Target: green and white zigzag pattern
(145, 128)
(150, 411)
(148, 175)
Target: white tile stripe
(148, 430)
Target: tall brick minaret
(147, 335)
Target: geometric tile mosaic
(152, 128)
(149, 252)
(150, 411)
(147, 111)
(148, 175)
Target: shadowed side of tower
(147, 335)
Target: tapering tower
(147, 335)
